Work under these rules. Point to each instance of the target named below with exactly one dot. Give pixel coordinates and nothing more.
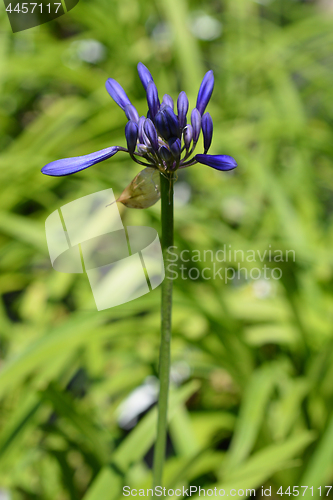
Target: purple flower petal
(117, 93)
(220, 162)
(142, 149)
(188, 136)
(196, 124)
(131, 134)
(168, 101)
(152, 99)
(205, 91)
(69, 166)
(131, 113)
(172, 121)
(175, 147)
(151, 133)
(182, 107)
(143, 138)
(141, 122)
(162, 125)
(144, 75)
(207, 130)
(167, 123)
(165, 154)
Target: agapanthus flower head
(164, 140)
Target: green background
(252, 403)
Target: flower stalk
(166, 310)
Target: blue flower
(164, 140)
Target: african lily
(164, 140)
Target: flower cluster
(164, 140)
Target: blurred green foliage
(256, 407)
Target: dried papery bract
(143, 191)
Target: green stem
(166, 308)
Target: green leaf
(18, 425)
(319, 469)
(262, 465)
(251, 414)
(134, 447)
(59, 340)
(182, 435)
(97, 438)
(106, 486)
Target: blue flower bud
(131, 134)
(144, 75)
(141, 122)
(142, 149)
(142, 136)
(167, 123)
(175, 147)
(117, 93)
(188, 136)
(165, 154)
(146, 141)
(68, 166)
(205, 91)
(161, 124)
(219, 162)
(131, 113)
(182, 107)
(152, 99)
(173, 123)
(196, 124)
(167, 101)
(207, 130)
(151, 133)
